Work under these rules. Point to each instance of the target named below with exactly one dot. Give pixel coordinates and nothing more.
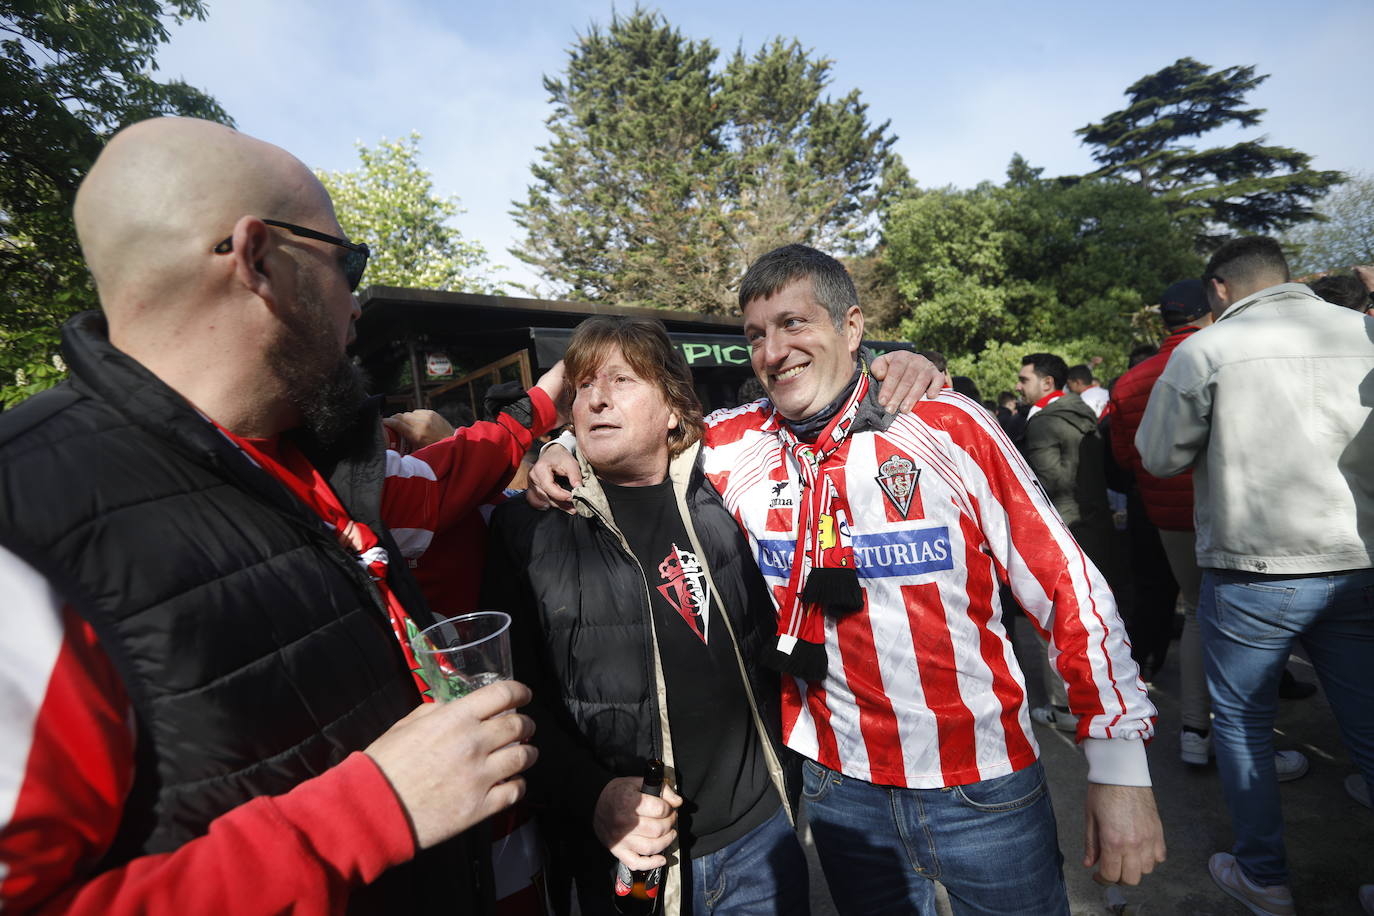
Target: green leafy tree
(620, 208)
(666, 176)
(1088, 255)
(1342, 236)
(947, 249)
(996, 272)
(994, 368)
(801, 167)
(389, 202)
(1245, 187)
(71, 75)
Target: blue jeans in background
(992, 844)
(1249, 624)
(763, 873)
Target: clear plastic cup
(464, 653)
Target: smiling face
(800, 357)
(622, 421)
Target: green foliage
(948, 251)
(1247, 187)
(875, 279)
(71, 75)
(389, 202)
(994, 368)
(1036, 260)
(1343, 236)
(1090, 255)
(666, 176)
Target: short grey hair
(830, 282)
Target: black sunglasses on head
(355, 262)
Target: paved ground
(1330, 837)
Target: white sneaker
(1194, 748)
(1357, 789)
(1289, 765)
(1276, 900)
(1054, 717)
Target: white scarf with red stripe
(823, 574)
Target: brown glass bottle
(635, 893)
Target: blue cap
(1183, 302)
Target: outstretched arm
(429, 490)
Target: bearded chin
(329, 406)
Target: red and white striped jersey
(922, 689)
(67, 743)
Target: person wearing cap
(1169, 502)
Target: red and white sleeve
(429, 490)
(66, 766)
(1053, 579)
(66, 742)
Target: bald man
(206, 705)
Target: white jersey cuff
(565, 439)
(1117, 761)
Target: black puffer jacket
(582, 640)
(255, 650)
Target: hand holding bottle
(635, 827)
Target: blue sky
(964, 84)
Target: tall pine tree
(1246, 187)
(666, 176)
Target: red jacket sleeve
(428, 491)
(66, 766)
(1122, 436)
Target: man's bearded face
(320, 379)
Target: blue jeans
(763, 873)
(1249, 624)
(992, 844)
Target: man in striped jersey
(884, 539)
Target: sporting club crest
(898, 478)
(684, 587)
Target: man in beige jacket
(1271, 407)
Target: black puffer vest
(590, 622)
(582, 639)
(254, 649)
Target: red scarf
(823, 574)
(1044, 402)
(289, 466)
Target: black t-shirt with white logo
(721, 771)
